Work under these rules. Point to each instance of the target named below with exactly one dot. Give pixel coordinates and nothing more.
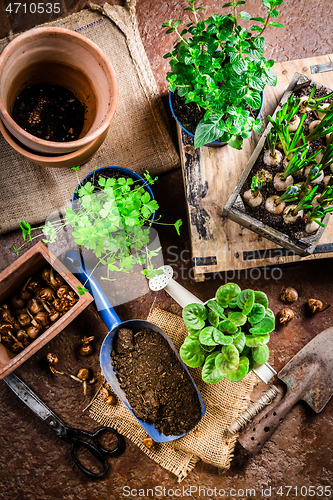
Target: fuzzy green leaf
(256, 340)
(261, 298)
(239, 342)
(228, 359)
(260, 354)
(227, 326)
(213, 318)
(191, 352)
(245, 301)
(238, 318)
(257, 313)
(226, 293)
(210, 373)
(213, 305)
(222, 339)
(206, 336)
(266, 325)
(194, 316)
(241, 371)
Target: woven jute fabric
(138, 137)
(210, 441)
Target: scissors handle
(76, 437)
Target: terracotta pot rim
(40, 159)
(87, 138)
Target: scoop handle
(74, 264)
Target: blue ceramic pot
(214, 144)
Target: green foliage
(221, 67)
(112, 220)
(256, 185)
(216, 339)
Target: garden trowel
(308, 377)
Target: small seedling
(290, 194)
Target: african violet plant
(229, 334)
(220, 66)
(110, 219)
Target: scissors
(71, 435)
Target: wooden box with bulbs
(38, 299)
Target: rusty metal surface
(36, 466)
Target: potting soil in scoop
(50, 112)
(156, 385)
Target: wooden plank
(210, 176)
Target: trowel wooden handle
(257, 433)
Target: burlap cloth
(210, 440)
(138, 137)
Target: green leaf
(269, 314)
(245, 15)
(257, 313)
(238, 318)
(227, 326)
(26, 229)
(256, 340)
(213, 318)
(258, 19)
(266, 325)
(178, 223)
(222, 339)
(236, 142)
(75, 168)
(228, 359)
(81, 290)
(206, 336)
(239, 342)
(210, 373)
(194, 316)
(253, 99)
(191, 352)
(213, 305)
(260, 354)
(16, 251)
(261, 298)
(241, 371)
(245, 301)
(207, 131)
(276, 25)
(226, 293)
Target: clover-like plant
(112, 220)
(228, 334)
(220, 66)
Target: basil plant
(220, 66)
(228, 334)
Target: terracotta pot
(60, 57)
(15, 276)
(69, 160)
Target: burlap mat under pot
(138, 137)
(210, 441)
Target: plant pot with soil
(285, 191)
(38, 298)
(219, 71)
(58, 91)
(111, 214)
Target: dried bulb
(289, 294)
(148, 442)
(285, 315)
(315, 305)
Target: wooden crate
(210, 176)
(15, 276)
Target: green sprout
(313, 103)
(315, 172)
(325, 127)
(290, 194)
(317, 214)
(288, 139)
(326, 198)
(271, 139)
(297, 163)
(306, 200)
(256, 185)
(327, 158)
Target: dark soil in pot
(156, 385)
(190, 114)
(295, 231)
(50, 112)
